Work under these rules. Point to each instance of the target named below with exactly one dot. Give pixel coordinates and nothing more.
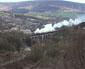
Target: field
(51, 15)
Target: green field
(51, 15)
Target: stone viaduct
(42, 36)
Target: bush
(37, 52)
(29, 41)
(10, 42)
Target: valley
(42, 35)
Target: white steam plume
(50, 27)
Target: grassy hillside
(43, 6)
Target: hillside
(42, 6)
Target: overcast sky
(80, 1)
(12, 0)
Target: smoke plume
(70, 22)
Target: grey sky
(79, 1)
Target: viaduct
(42, 36)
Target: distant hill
(42, 6)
